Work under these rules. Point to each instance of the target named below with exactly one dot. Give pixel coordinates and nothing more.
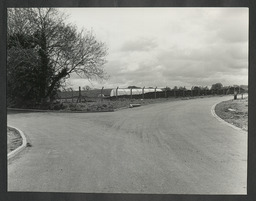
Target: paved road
(174, 147)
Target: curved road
(173, 147)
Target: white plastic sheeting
(122, 92)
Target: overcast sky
(168, 46)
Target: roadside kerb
(223, 121)
(20, 148)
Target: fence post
(66, 95)
(72, 94)
(117, 92)
(143, 92)
(155, 92)
(102, 94)
(131, 93)
(79, 95)
(227, 91)
(235, 94)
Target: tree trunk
(56, 79)
(43, 67)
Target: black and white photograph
(135, 100)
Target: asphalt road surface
(173, 147)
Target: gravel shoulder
(234, 112)
(14, 140)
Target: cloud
(230, 25)
(173, 46)
(140, 44)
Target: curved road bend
(174, 147)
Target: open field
(234, 112)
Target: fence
(140, 93)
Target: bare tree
(55, 49)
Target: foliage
(133, 87)
(43, 51)
(217, 86)
(168, 89)
(182, 88)
(197, 88)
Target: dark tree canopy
(196, 88)
(175, 88)
(133, 87)
(168, 88)
(217, 86)
(182, 88)
(43, 51)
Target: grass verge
(14, 140)
(234, 112)
(111, 105)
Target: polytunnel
(135, 91)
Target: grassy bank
(234, 112)
(14, 140)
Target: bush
(57, 106)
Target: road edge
(53, 111)
(20, 148)
(222, 120)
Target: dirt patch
(234, 112)
(14, 140)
